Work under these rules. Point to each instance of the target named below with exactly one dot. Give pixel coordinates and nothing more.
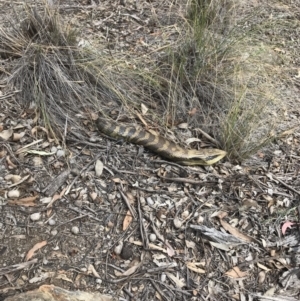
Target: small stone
(152, 237)
(35, 216)
(185, 214)
(51, 222)
(60, 153)
(98, 168)
(13, 194)
(53, 150)
(54, 232)
(118, 249)
(75, 230)
(200, 219)
(163, 277)
(110, 224)
(45, 261)
(150, 202)
(78, 203)
(98, 281)
(93, 195)
(177, 223)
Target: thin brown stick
(133, 213)
(208, 137)
(286, 185)
(16, 267)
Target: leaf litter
(250, 250)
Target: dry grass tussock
(227, 76)
(209, 77)
(54, 75)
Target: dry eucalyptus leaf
(92, 270)
(183, 125)
(130, 271)
(219, 214)
(263, 267)
(26, 147)
(6, 134)
(13, 178)
(180, 283)
(18, 136)
(51, 292)
(41, 153)
(35, 248)
(64, 277)
(26, 202)
(40, 128)
(236, 273)
(19, 126)
(118, 180)
(235, 232)
(127, 220)
(220, 246)
(41, 277)
(193, 267)
(10, 163)
(151, 246)
(170, 250)
(191, 140)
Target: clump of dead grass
(226, 79)
(51, 72)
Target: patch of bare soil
(100, 215)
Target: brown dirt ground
(189, 210)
